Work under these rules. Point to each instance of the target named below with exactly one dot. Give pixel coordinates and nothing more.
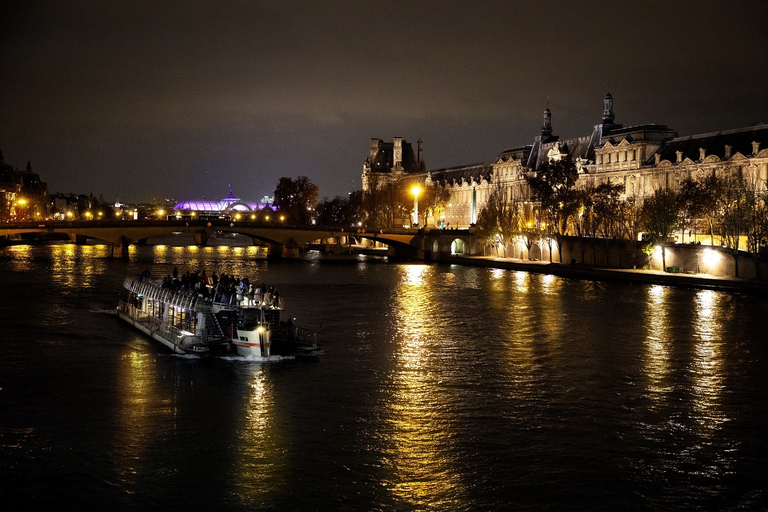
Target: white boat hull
(253, 343)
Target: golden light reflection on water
(418, 443)
(498, 273)
(135, 414)
(657, 340)
(707, 360)
(258, 459)
(549, 281)
(521, 280)
(88, 260)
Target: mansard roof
(648, 132)
(518, 152)
(577, 147)
(467, 173)
(740, 140)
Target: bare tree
(661, 216)
(499, 220)
(553, 188)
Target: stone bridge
(281, 240)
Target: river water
(439, 387)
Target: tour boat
(212, 323)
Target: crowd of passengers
(224, 288)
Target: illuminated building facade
(641, 158)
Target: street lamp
(21, 212)
(415, 191)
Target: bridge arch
(458, 246)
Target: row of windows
(622, 156)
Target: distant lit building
(23, 195)
(641, 158)
(228, 208)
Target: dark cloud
(154, 99)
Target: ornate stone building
(640, 158)
(23, 195)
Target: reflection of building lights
(266, 217)
(282, 218)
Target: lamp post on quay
(415, 191)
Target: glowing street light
(415, 191)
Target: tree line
(385, 205)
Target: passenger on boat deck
(251, 293)
(144, 275)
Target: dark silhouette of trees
(340, 211)
(296, 199)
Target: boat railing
(268, 301)
(154, 290)
(140, 317)
(175, 335)
(304, 336)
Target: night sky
(140, 100)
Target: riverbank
(581, 271)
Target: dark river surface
(439, 387)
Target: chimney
(397, 153)
(679, 156)
(419, 158)
(375, 145)
(702, 153)
(755, 148)
(728, 151)
(658, 158)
